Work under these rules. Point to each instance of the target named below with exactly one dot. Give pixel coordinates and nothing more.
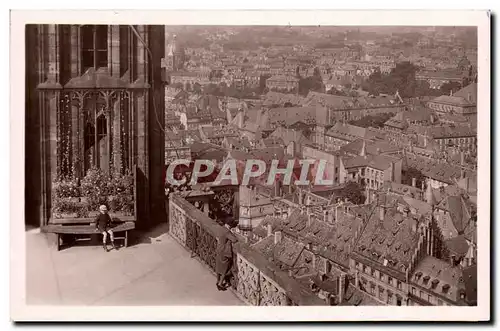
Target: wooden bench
(87, 228)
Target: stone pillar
(140, 111)
(75, 51)
(205, 207)
(427, 237)
(49, 101)
(53, 53)
(141, 52)
(114, 50)
(116, 117)
(75, 139)
(432, 241)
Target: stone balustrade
(257, 282)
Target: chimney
(269, 230)
(325, 216)
(277, 237)
(462, 158)
(336, 214)
(241, 118)
(363, 149)
(414, 182)
(330, 216)
(382, 213)
(414, 226)
(277, 188)
(228, 115)
(425, 140)
(451, 92)
(462, 173)
(429, 196)
(341, 288)
(469, 97)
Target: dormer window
(434, 283)
(446, 287)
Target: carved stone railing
(257, 281)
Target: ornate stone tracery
(93, 129)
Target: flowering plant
(96, 188)
(121, 193)
(66, 188)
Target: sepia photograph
(214, 163)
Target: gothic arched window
(101, 127)
(94, 46)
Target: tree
(262, 82)
(374, 121)
(411, 173)
(197, 88)
(353, 192)
(446, 88)
(402, 78)
(312, 83)
(178, 85)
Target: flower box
(67, 215)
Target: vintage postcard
(329, 165)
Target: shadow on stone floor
(150, 236)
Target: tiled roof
(281, 78)
(452, 100)
(469, 90)
(284, 252)
(457, 246)
(379, 162)
(371, 147)
(276, 98)
(351, 132)
(402, 189)
(289, 135)
(461, 212)
(440, 277)
(291, 115)
(451, 131)
(391, 239)
(470, 279)
(401, 119)
(443, 172)
(440, 74)
(240, 143)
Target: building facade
(93, 94)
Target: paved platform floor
(156, 271)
